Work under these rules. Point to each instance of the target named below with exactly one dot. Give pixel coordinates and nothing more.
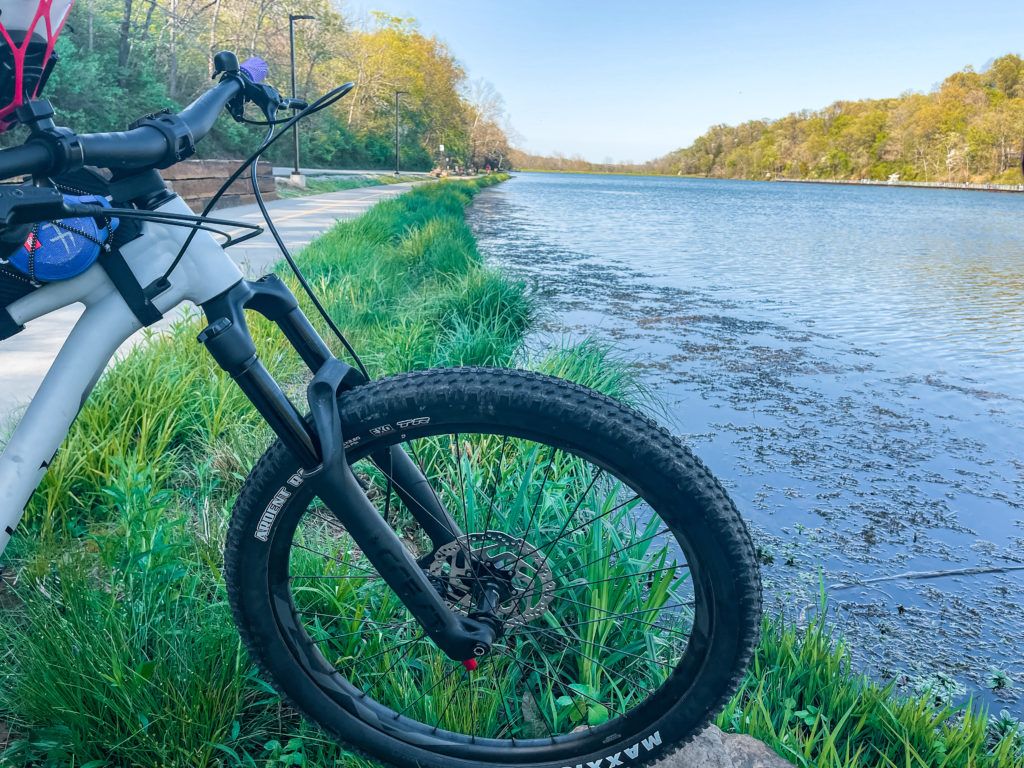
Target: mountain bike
(446, 568)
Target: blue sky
(633, 80)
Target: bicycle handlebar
(28, 158)
(141, 147)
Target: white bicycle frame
(204, 272)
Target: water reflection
(847, 359)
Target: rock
(707, 750)
(714, 749)
(747, 752)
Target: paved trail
(25, 358)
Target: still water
(848, 360)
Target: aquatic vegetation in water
(999, 679)
(940, 688)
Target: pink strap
(19, 52)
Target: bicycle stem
(320, 450)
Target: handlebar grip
(202, 113)
(123, 149)
(256, 68)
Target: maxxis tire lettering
(632, 753)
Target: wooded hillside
(971, 128)
(121, 59)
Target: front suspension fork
(320, 451)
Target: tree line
(121, 59)
(968, 129)
(575, 163)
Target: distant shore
(933, 184)
(970, 186)
(600, 173)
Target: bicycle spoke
(536, 506)
(389, 488)
(576, 509)
(463, 547)
(621, 549)
(330, 577)
(354, 618)
(462, 482)
(472, 698)
(328, 638)
(551, 632)
(565, 525)
(333, 522)
(605, 610)
(423, 695)
(390, 648)
(617, 616)
(494, 486)
(598, 663)
(574, 585)
(504, 702)
(549, 677)
(624, 673)
(526, 691)
(583, 525)
(334, 559)
(440, 718)
(467, 549)
(423, 470)
(384, 673)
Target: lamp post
(292, 18)
(398, 146)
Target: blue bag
(60, 250)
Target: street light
(398, 145)
(292, 18)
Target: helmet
(28, 32)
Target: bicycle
(453, 568)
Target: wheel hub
(517, 571)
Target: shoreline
(966, 186)
(952, 185)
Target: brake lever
(263, 96)
(29, 205)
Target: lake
(849, 360)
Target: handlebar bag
(62, 249)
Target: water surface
(848, 360)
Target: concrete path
(25, 358)
(286, 171)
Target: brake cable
(252, 164)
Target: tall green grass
(802, 697)
(118, 643)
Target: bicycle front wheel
(627, 586)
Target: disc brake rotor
(522, 570)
